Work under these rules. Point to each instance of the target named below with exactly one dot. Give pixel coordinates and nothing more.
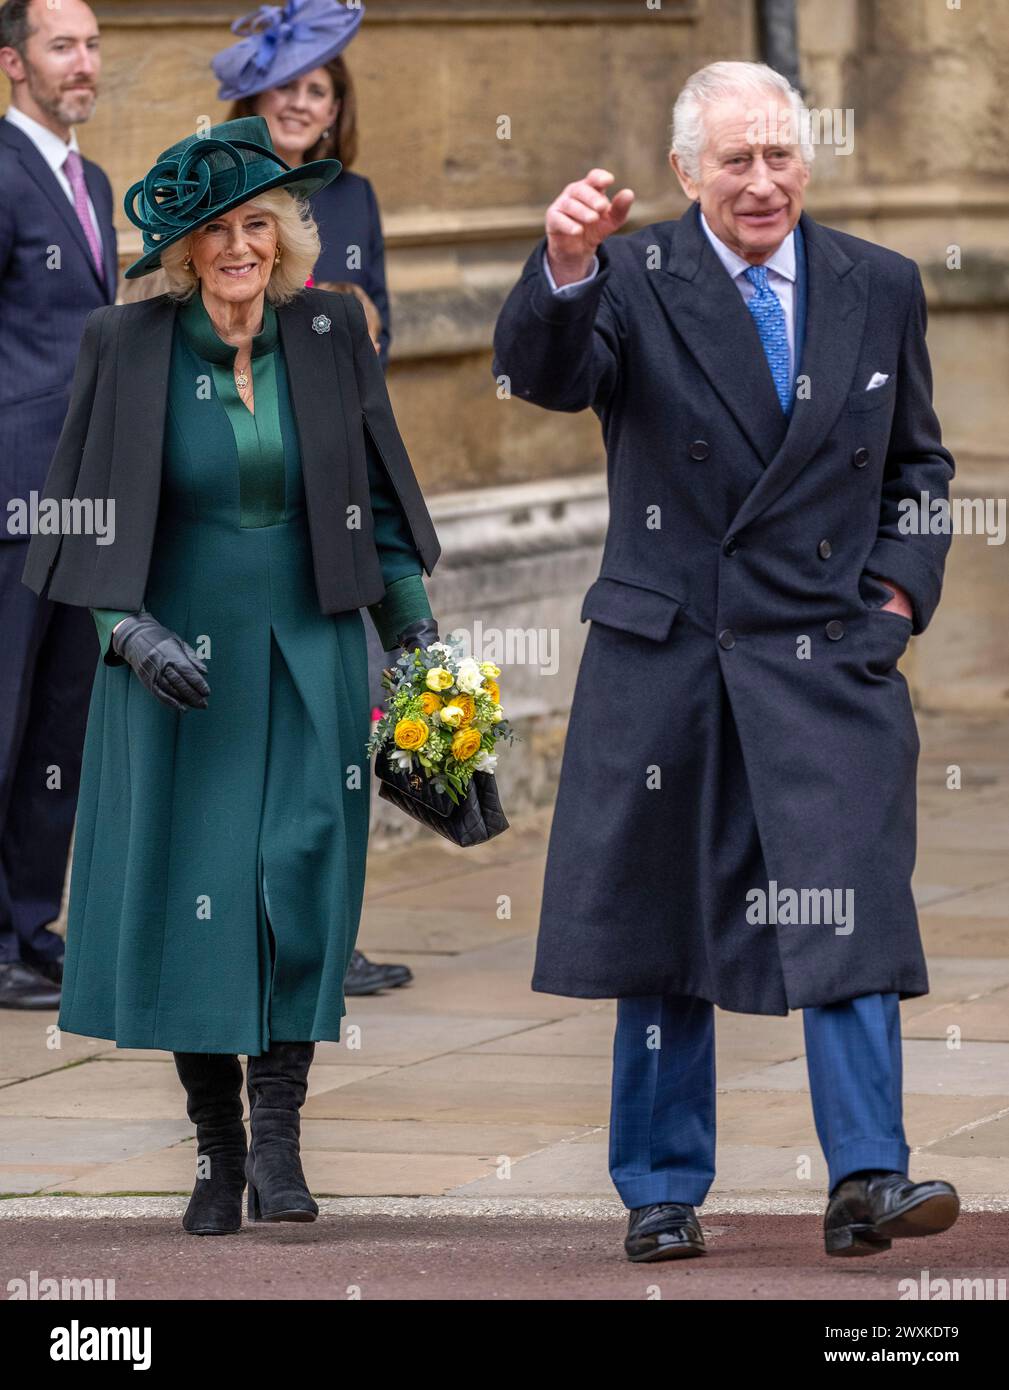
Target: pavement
(456, 1137)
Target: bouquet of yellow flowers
(443, 716)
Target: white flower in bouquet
(485, 762)
(497, 715)
(469, 677)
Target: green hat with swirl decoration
(204, 176)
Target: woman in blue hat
(256, 495)
(288, 67)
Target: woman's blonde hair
(297, 241)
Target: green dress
(219, 856)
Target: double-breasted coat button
(824, 550)
(731, 546)
(835, 630)
(726, 639)
(860, 458)
(699, 449)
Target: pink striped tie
(73, 166)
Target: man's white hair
(716, 82)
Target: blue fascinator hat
(281, 42)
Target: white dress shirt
(780, 278)
(54, 151)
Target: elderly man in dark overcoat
(735, 821)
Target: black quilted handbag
(476, 819)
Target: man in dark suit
(735, 821)
(57, 263)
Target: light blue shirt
(780, 269)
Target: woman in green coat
(219, 858)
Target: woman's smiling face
(234, 255)
(299, 112)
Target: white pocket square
(878, 379)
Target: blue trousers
(662, 1124)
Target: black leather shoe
(51, 969)
(868, 1210)
(663, 1231)
(364, 976)
(395, 975)
(22, 987)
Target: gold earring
(276, 259)
(187, 264)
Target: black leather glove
(420, 634)
(163, 662)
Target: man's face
(62, 61)
(752, 178)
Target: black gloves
(420, 634)
(163, 662)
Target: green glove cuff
(105, 621)
(404, 602)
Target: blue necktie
(765, 306)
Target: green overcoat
(219, 858)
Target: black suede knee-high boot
(213, 1083)
(278, 1082)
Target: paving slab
(988, 1138)
(429, 1136)
(435, 931)
(983, 1018)
(128, 1090)
(587, 1034)
(991, 901)
(930, 1068)
(51, 1141)
(32, 1044)
(327, 1173)
(943, 935)
(474, 1087)
(486, 980)
(384, 1031)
